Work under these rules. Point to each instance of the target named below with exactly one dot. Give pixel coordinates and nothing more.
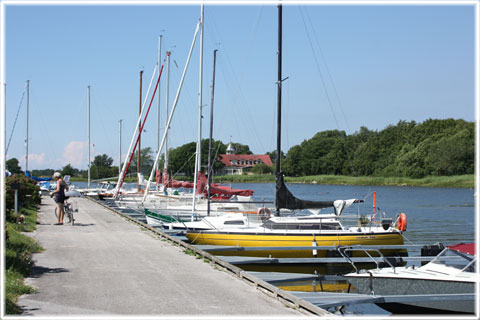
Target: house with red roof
(240, 163)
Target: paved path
(105, 265)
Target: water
(433, 214)
(444, 215)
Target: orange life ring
(402, 222)
(264, 212)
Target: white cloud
(37, 160)
(75, 154)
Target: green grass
(18, 258)
(463, 181)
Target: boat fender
(402, 222)
(264, 212)
(314, 244)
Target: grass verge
(462, 181)
(18, 258)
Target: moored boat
(290, 232)
(451, 273)
(295, 230)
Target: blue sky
(379, 65)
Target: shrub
(28, 193)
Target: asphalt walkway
(105, 265)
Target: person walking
(59, 196)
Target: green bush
(28, 194)
(18, 247)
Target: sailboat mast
(139, 134)
(209, 172)
(159, 62)
(167, 88)
(120, 147)
(173, 109)
(88, 137)
(28, 111)
(279, 102)
(198, 157)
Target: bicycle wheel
(69, 214)
(56, 214)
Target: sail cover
(286, 200)
(28, 174)
(219, 190)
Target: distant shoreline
(461, 181)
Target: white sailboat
(161, 208)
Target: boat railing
(343, 252)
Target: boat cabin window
(303, 226)
(234, 222)
(455, 259)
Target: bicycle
(68, 208)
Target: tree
(43, 173)
(182, 159)
(453, 155)
(12, 166)
(241, 148)
(102, 161)
(273, 156)
(146, 162)
(262, 168)
(290, 165)
(68, 170)
(101, 168)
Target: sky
(347, 66)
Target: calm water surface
(433, 214)
(445, 215)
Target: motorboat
(448, 276)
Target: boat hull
(401, 286)
(239, 239)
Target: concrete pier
(106, 265)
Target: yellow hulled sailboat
(288, 236)
(291, 236)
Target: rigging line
(318, 68)
(328, 72)
(100, 103)
(242, 110)
(16, 118)
(45, 131)
(326, 91)
(184, 164)
(215, 159)
(232, 83)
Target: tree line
(408, 149)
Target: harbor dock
(107, 264)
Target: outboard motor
(432, 250)
(386, 223)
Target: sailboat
(293, 230)
(167, 208)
